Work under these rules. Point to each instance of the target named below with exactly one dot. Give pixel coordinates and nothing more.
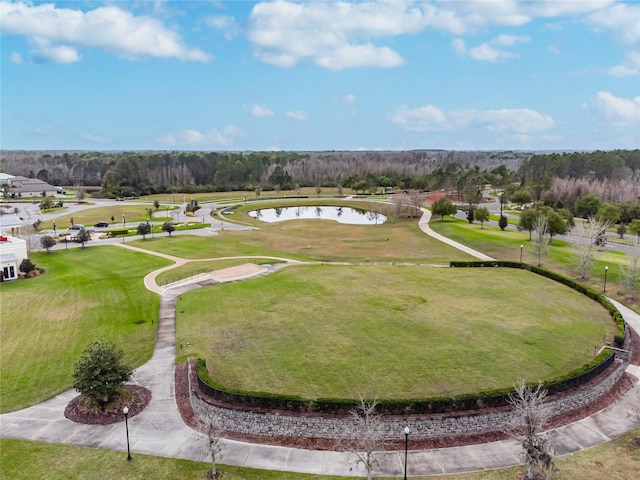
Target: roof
(8, 257)
(9, 221)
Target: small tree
(443, 206)
(143, 229)
(83, 236)
(539, 241)
(482, 215)
(470, 216)
(318, 189)
(156, 205)
(634, 228)
(585, 244)
(503, 222)
(531, 416)
(26, 266)
(168, 227)
(215, 443)
(366, 436)
(521, 196)
(630, 271)
(99, 374)
(47, 242)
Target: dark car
(101, 224)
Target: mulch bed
(78, 410)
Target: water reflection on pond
(354, 216)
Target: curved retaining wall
(284, 424)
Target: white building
(12, 249)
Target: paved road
(159, 430)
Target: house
(21, 187)
(12, 251)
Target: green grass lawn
(20, 460)
(47, 322)
(389, 332)
(319, 240)
(561, 258)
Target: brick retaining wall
(284, 424)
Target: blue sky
(215, 75)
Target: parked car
(101, 224)
(76, 227)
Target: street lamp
(124, 222)
(125, 410)
(54, 228)
(406, 448)
(521, 247)
(606, 270)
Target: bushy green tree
(168, 227)
(83, 236)
(521, 196)
(47, 242)
(587, 206)
(482, 215)
(470, 216)
(443, 206)
(26, 266)
(143, 229)
(99, 374)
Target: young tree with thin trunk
(539, 242)
(630, 271)
(584, 243)
(482, 215)
(365, 437)
(531, 415)
(47, 242)
(168, 227)
(215, 443)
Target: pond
(353, 216)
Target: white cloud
(194, 138)
(348, 99)
(430, 118)
(333, 35)
(489, 51)
(630, 66)
(620, 20)
(621, 112)
(261, 111)
(297, 115)
(340, 35)
(15, 57)
(56, 34)
(96, 138)
(226, 24)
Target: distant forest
(557, 178)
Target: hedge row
(570, 282)
(466, 402)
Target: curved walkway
(159, 430)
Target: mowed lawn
(21, 460)
(90, 216)
(318, 240)
(47, 322)
(389, 332)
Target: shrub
(99, 373)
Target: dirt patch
(78, 411)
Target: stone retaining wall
(284, 424)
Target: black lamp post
(54, 228)
(606, 270)
(521, 247)
(125, 410)
(406, 448)
(124, 222)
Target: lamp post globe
(606, 270)
(125, 410)
(406, 448)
